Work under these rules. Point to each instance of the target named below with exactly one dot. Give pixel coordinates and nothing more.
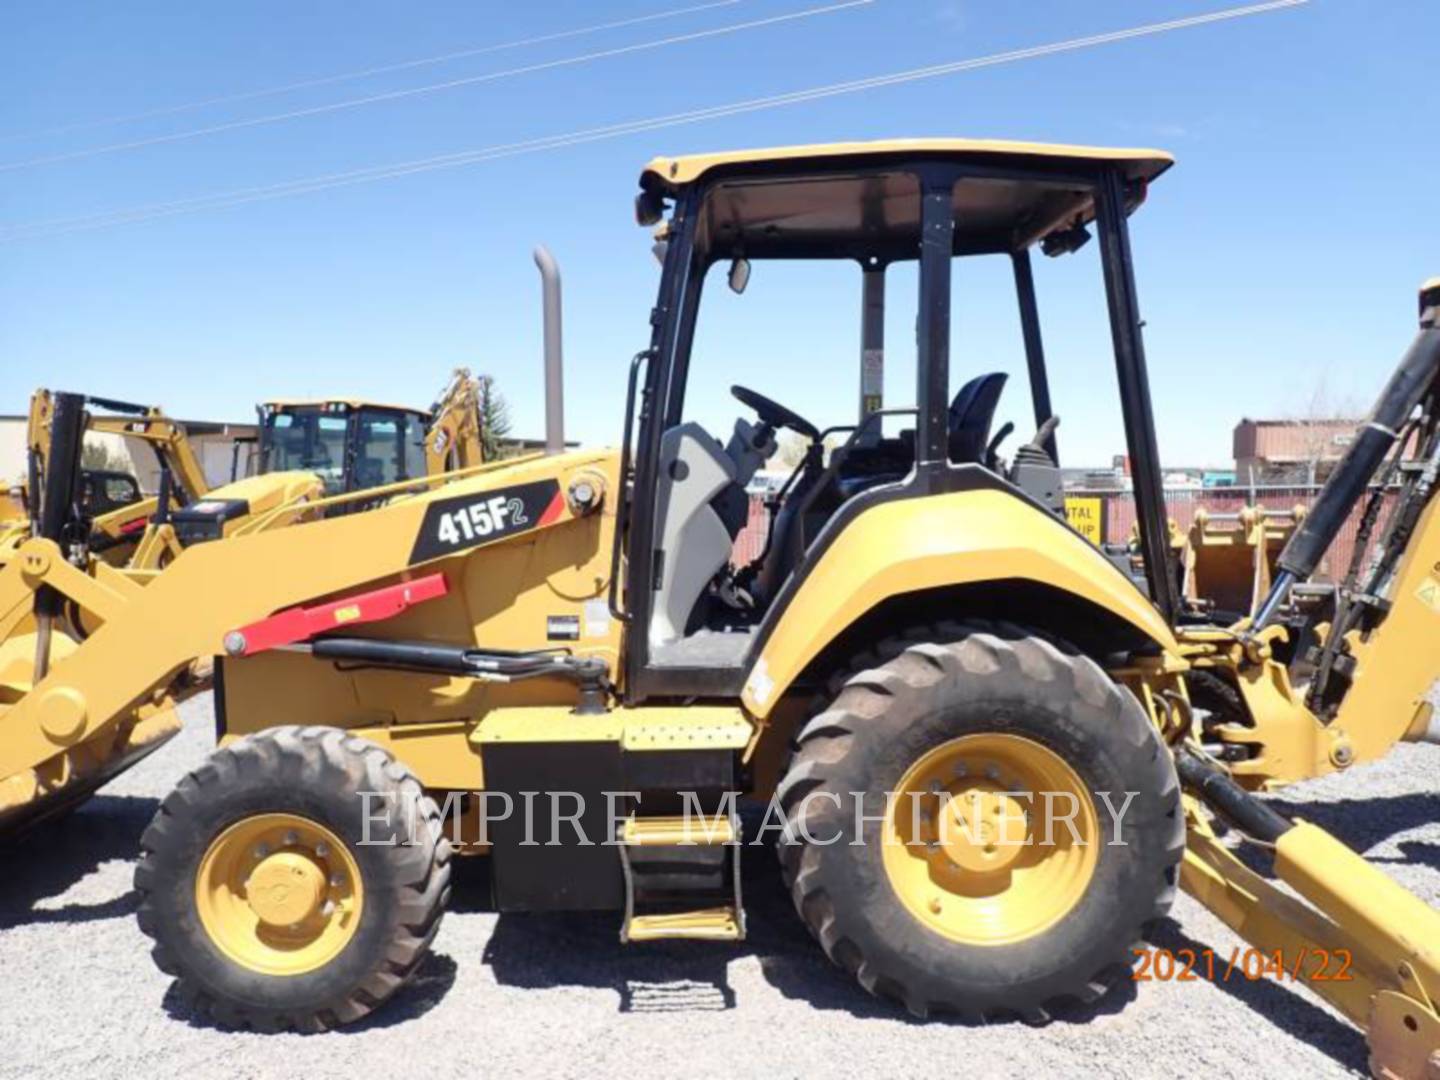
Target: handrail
(622, 511)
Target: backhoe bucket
(1230, 559)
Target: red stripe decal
(299, 623)
(552, 512)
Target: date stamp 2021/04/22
(1252, 965)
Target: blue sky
(1277, 262)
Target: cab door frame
(661, 398)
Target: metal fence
(1116, 516)
(1181, 505)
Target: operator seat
(369, 473)
(972, 411)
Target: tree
(494, 420)
(791, 447)
(789, 452)
(1322, 423)
(95, 455)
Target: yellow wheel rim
(977, 852)
(279, 894)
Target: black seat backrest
(972, 411)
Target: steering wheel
(775, 414)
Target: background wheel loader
(115, 531)
(572, 625)
(307, 450)
(379, 453)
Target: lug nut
(292, 838)
(322, 849)
(261, 850)
(336, 880)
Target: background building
(220, 446)
(1290, 451)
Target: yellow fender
(909, 545)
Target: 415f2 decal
(466, 521)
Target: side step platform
(679, 866)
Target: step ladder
(653, 857)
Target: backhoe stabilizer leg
(1404, 1026)
(1380, 943)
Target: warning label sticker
(1429, 594)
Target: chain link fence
(1181, 505)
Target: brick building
(1290, 451)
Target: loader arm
(147, 638)
(170, 442)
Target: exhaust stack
(554, 354)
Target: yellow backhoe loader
(306, 450)
(565, 637)
(115, 529)
(312, 449)
(129, 534)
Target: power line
(383, 69)
(310, 185)
(472, 80)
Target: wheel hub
(982, 829)
(971, 844)
(286, 888)
(279, 894)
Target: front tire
(968, 725)
(270, 897)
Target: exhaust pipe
(554, 356)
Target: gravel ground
(558, 996)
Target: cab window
(310, 441)
(414, 447)
(380, 449)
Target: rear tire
(293, 796)
(939, 691)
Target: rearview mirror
(649, 208)
(739, 275)
(1065, 241)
